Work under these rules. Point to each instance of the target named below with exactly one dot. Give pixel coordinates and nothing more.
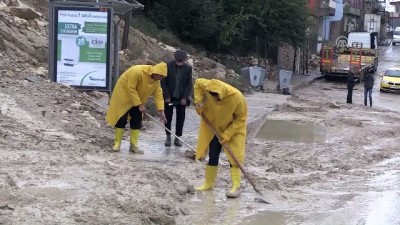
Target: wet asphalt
(389, 57)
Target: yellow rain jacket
(133, 88)
(228, 117)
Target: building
(324, 12)
(334, 19)
(372, 17)
(351, 21)
(320, 11)
(353, 16)
(394, 18)
(396, 5)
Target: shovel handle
(159, 123)
(228, 149)
(155, 120)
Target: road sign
(341, 42)
(81, 46)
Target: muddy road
(317, 159)
(320, 160)
(389, 57)
(361, 186)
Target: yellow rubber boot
(211, 174)
(134, 139)
(235, 176)
(119, 133)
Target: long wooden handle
(155, 120)
(159, 123)
(246, 175)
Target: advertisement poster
(82, 47)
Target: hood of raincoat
(160, 69)
(133, 88)
(221, 88)
(228, 117)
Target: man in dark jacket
(368, 85)
(177, 87)
(350, 86)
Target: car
(391, 80)
(396, 36)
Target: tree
(283, 22)
(233, 25)
(193, 21)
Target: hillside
(55, 143)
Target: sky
(389, 7)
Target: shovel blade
(261, 200)
(190, 154)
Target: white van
(368, 40)
(396, 36)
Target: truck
(396, 36)
(360, 56)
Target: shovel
(188, 153)
(261, 197)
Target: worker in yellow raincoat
(130, 94)
(226, 108)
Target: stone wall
(286, 57)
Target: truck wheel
(327, 77)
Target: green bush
(147, 27)
(164, 57)
(233, 81)
(151, 107)
(136, 52)
(237, 83)
(168, 38)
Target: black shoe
(177, 142)
(168, 141)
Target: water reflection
(283, 130)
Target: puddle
(154, 151)
(272, 218)
(385, 209)
(379, 204)
(282, 130)
(49, 192)
(54, 193)
(213, 207)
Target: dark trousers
(135, 121)
(180, 117)
(349, 95)
(368, 93)
(213, 152)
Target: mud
(349, 176)
(282, 130)
(57, 168)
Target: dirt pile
(52, 140)
(23, 37)
(54, 143)
(24, 42)
(146, 50)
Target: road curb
(300, 86)
(254, 126)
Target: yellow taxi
(391, 80)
